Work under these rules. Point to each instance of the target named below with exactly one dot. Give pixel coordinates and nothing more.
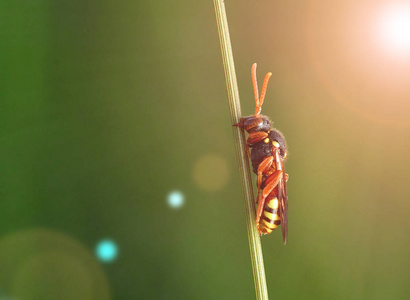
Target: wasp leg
(270, 183)
(248, 152)
(259, 211)
(263, 169)
(286, 177)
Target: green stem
(240, 144)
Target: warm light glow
(394, 28)
(211, 172)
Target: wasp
(267, 149)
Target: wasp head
(254, 123)
(257, 122)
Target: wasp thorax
(276, 144)
(279, 142)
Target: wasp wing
(283, 197)
(284, 208)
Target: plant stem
(240, 144)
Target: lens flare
(394, 28)
(106, 250)
(175, 199)
(211, 172)
(47, 264)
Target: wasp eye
(276, 144)
(266, 140)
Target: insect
(268, 153)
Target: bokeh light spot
(175, 199)
(107, 250)
(46, 264)
(211, 172)
(40, 277)
(394, 27)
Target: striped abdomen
(270, 219)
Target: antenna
(255, 85)
(259, 101)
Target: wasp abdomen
(270, 219)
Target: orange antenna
(263, 92)
(259, 101)
(255, 85)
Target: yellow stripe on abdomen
(270, 219)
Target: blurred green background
(108, 107)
